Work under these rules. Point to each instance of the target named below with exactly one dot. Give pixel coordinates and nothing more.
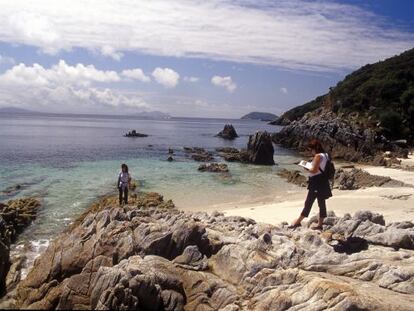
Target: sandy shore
(396, 203)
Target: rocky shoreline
(151, 256)
(342, 136)
(15, 216)
(345, 179)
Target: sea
(68, 161)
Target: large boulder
(259, 151)
(228, 132)
(260, 148)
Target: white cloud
(34, 29)
(6, 60)
(283, 90)
(62, 87)
(136, 74)
(191, 79)
(201, 103)
(166, 77)
(295, 34)
(225, 82)
(59, 74)
(109, 51)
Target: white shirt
(123, 179)
(322, 164)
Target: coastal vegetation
(379, 95)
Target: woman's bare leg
(299, 220)
(320, 222)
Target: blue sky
(190, 58)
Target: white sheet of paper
(307, 165)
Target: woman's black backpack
(330, 170)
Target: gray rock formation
(260, 148)
(4, 255)
(214, 167)
(342, 137)
(134, 133)
(259, 151)
(199, 154)
(357, 178)
(294, 177)
(15, 216)
(151, 256)
(228, 132)
(346, 179)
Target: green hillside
(380, 94)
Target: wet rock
(11, 191)
(214, 167)
(170, 159)
(227, 150)
(4, 255)
(350, 245)
(15, 216)
(134, 133)
(202, 157)
(152, 257)
(259, 151)
(294, 177)
(228, 132)
(357, 178)
(199, 154)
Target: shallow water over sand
(69, 161)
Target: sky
(210, 58)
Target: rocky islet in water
(134, 133)
(228, 132)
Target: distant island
(153, 115)
(15, 110)
(156, 115)
(262, 116)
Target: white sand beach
(395, 203)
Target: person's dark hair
(124, 167)
(316, 145)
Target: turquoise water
(69, 161)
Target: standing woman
(318, 184)
(124, 179)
